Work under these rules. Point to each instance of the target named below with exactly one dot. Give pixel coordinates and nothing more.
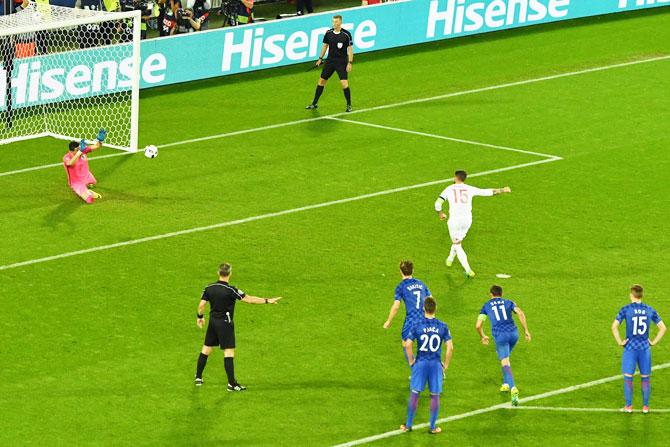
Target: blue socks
(411, 408)
(434, 409)
(628, 390)
(508, 378)
(646, 389)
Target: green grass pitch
(100, 348)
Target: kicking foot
(198, 381)
(349, 109)
(236, 387)
(470, 274)
(645, 409)
(96, 195)
(312, 107)
(504, 388)
(515, 396)
(405, 428)
(627, 409)
(449, 262)
(435, 431)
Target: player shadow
(61, 214)
(111, 168)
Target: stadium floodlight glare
(67, 72)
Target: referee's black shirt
(222, 298)
(338, 43)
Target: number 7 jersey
(638, 318)
(413, 293)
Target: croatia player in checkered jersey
(412, 292)
(459, 195)
(430, 334)
(637, 352)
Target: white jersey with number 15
(460, 198)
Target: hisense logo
(459, 16)
(625, 3)
(37, 81)
(256, 49)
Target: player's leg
(228, 346)
(644, 363)
(461, 227)
(326, 73)
(404, 335)
(86, 194)
(435, 379)
(417, 385)
(211, 339)
(344, 80)
(628, 363)
(451, 225)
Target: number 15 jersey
(638, 317)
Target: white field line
(261, 217)
(441, 137)
(586, 410)
(368, 109)
(457, 417)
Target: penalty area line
(585, 410)
(261, 217)
(505, 406)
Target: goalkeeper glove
(83, 147)
(102, 135)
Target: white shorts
(458, 227)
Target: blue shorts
(406, 328)
(636, 357)
(427, 371)
(505, 342)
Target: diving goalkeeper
(79, 177)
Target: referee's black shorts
(220, 332)
(331, 67)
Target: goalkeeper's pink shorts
(81, 189)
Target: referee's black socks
(202, 361)
(230, 370)
(317, 94)
(347, 95)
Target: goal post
(68, 72)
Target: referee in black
(221, 329)
(339, 44)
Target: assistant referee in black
(340, 46)
(221, 329)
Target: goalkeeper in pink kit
(79, 177)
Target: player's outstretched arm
(392, 313)
(522, 320)
(258, 300)
(201, 313)
(504, 190)
(449, 352)
(615, 333)
(659, 335)
(480, 329)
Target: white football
(151, 151)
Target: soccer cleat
(504, 388)
(405, 428)
(628, 409)
(435, 431)
(470, 274)
(449, 262)
(312, 107)
(515, 396)
(198, 381)
(236, 387)
(349, 109)
(96, 195)
(645, 409)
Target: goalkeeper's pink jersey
(78, 173)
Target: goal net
(68, 72)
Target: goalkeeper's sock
(202, 362)
(230, 370)
(411, 408)
(347, 95)
(317, 94)
(646, 390)
(628, 390)
(508, 378)
(462, 258)
(434, 409)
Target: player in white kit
(459, 195)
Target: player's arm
(503, 190)
(258, 300)
(479, 326)
(74, 159)
(201, 313)
(324, 48)
(522, 320)
(392, 313)
(409, 350)
(438, 204)
(615, 333)
(449, 352)
(350, 56)
(660, 334)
